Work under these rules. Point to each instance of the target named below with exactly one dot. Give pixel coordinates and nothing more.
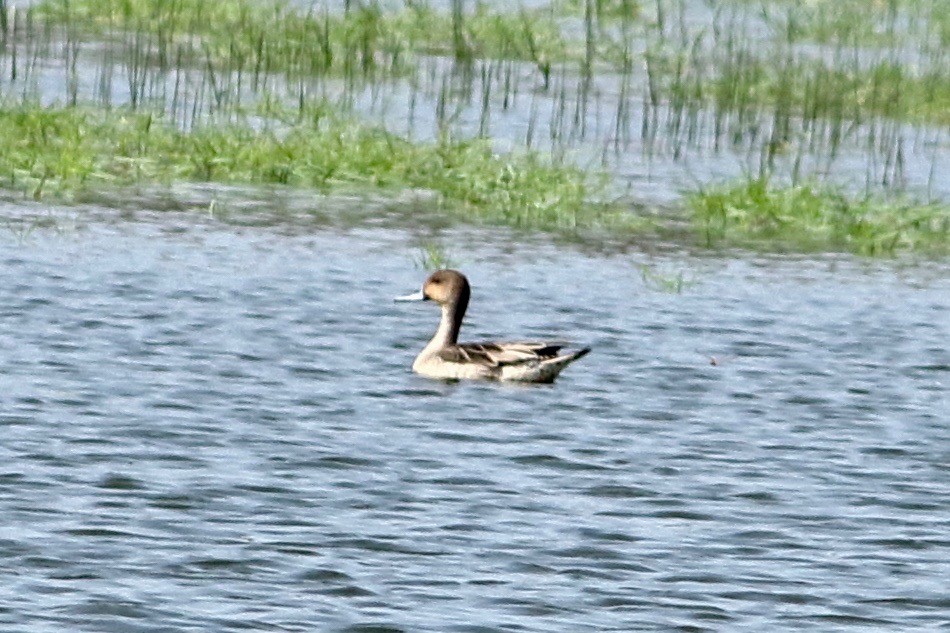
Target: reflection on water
(213, 427)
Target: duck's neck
(449, 326)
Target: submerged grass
(664, 281)
(806, 88)
(601, 10)
(920, 24)
(279, 36)
(725, 67)
(816, 216)
(432, 256)
(62, 151)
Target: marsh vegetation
(764, 124)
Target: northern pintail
(445, 358)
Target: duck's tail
(549, 369)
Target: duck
(446, 359)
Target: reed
(895, 24)
(603, 11)
(277, 36)
(433, 255)
(757, 212)
(661, 280)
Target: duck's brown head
(446, 287)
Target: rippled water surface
(209, 427)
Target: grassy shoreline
(813, 216)
(783, 102)
(61, 151)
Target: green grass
(714, 81)
(920, 24)
(256, 38)
(62, 151)
(878, 61)
(818, 217)
(433, 255)
(277, 36)
(809, 89)
(603, 10)
(663, 281)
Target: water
(208, 426)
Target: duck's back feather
(499, 354)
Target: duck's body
(517, 362)
(447, 359)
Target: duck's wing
(498, 354)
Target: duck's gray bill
(416, 296)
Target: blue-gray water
(208, 427)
